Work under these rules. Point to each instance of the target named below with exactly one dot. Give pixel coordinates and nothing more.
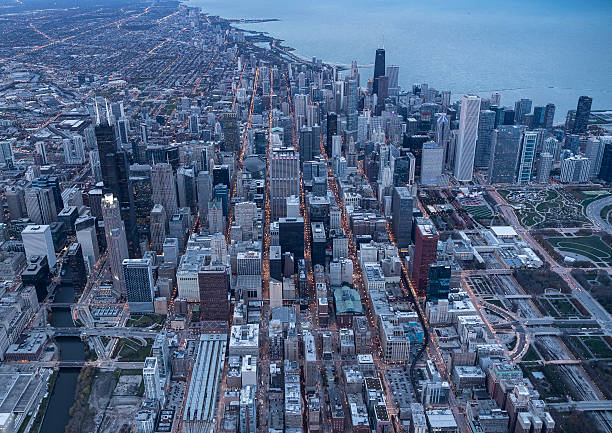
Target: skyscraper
(583, 112)
(527, 161)
(139, 290)
(521, 109)
(150, 377)
(213, 282)
(158, 228)
(164, 188)
(549, 116)
(379, 67)
(575, 169)
(37, 241)
(284, 179)
(115, 176)
(594, 150)
(291, 236)
(505, 153)
(116, 242)
(401, 217)
(605, 171)
(486, 124)
(231, 131)
(425, 253)
(545, 164)
(85, 228)
(468, 133)
(432, 163)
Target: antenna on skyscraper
(108, 119)
(97, 111)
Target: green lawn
(591, 247)
(130, 350)
(145, 320)
(597, 346)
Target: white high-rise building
(150, 376)
(37, 241)
(594, 150)
(468, 133)
(575, 169)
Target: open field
(582, 248)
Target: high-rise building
(425, 253)
(545, 164)
(506, 148)
(142, 190)
(213, 281)
(486, 124)
(432, 163)
(307, 143)
(527, 160)
(575, 169)
(393, 74)
(583, 112)
(164, 188)
(6, 153)
(74, 150)
(594, 150)
(401, 217)
(139, 290)
(185, 181)
(438, 284)
(76, 263)
(151, 379)
(116, 242)
(115, 176)
(284, 179)
(161, 352)
(549, 116)
(379, 67)
(87, 237)
(158, 228)
(38, 242)
(204, 189)
(332, 129)
(15, 200)
(605, 172)
(521, 109)
(231, 131)
(468, 133)
(40, 205)
(291, 236)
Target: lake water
(545, 50)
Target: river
(71, 349)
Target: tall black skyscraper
(116, 178)
(583, 111)
(379, 67)
(332, 129)
(549, 116)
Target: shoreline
(275, 44)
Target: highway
(593, 212)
